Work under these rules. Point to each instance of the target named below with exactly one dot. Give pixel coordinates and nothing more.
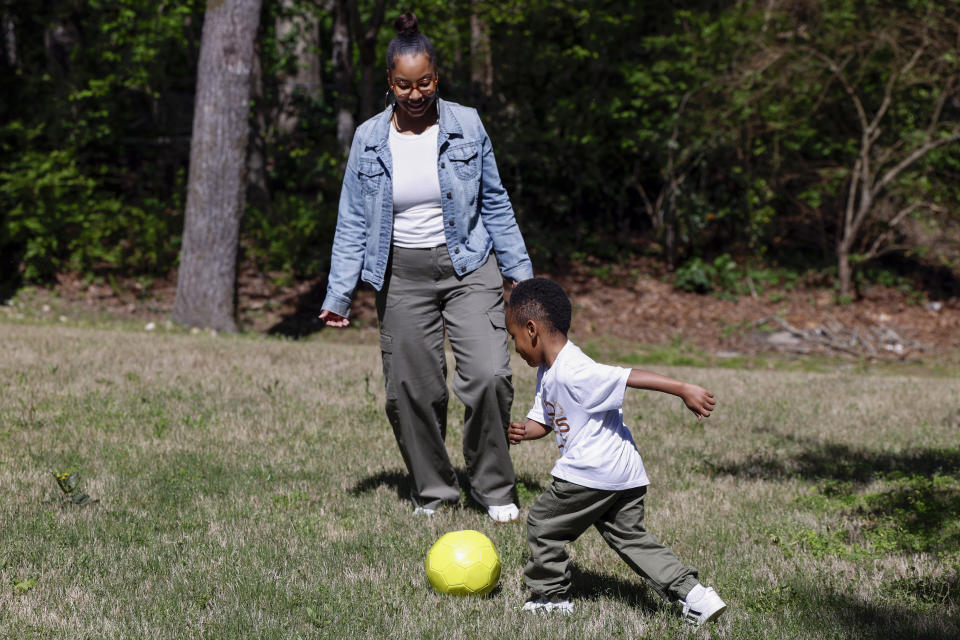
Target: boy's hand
(698, 400)
(517, 432)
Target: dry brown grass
(250, 487)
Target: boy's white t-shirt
(417, 213)
(582, 400)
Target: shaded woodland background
(714, 137)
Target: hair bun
(407, 25)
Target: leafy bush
(54, 217)
(292, 235)
(721, 275)
(724, 277)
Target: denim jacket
(477, 215)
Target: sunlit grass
(247, 487)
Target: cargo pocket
(498, 319)
(386, 353)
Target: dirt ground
(635, 302)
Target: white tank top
(417, 215)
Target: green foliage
(906, 512)
(699, 276)
(284, 238)
(684, 131)
(724, 277)
(92, 136)
(57, 218)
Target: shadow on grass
(856, 618)
(400, 482)
(591, 585)
(919, 499)
(839, 462)
(915, 508)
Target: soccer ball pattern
(463, 563)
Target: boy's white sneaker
(423, 511)
(543, 605)
(702, 605)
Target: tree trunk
(372, 71)
(258, 187)
(343, 74)
(206, 282)
(844, 272)
(10, 41)
(308, 77)
(481, 60)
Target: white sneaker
(542, 605)
(498, 513)
(503, 512)
(423, 511)
(702, 605)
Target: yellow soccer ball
(463, 563)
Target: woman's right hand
(332, 319)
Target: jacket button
(443, 165)
(451, 223)
(449, 195)
(457, 250)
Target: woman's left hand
(332, 319)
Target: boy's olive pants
(566, 510)
(422, 299)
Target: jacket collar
(449, 126)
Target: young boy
(599, 478)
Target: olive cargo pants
(422, 299)
(566, 510)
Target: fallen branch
(878, 343)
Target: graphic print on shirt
(558, 421)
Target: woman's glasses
(424, 85)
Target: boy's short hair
(542, 300)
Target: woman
(421, 208)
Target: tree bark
(308, 77)
(844, 272)
(481, 59)
(206, 282)
(371, 73)
(10, 41)
(343, 74)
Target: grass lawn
(245, 487)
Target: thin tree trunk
(481, 59)
(343, 74)
(206, 282)
(844, 271)
(372, 68)
(308, 77)
(10, 41)
(258, 190)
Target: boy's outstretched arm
(697, 399)
(529, 430)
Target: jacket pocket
(370, 173)
(465, 160)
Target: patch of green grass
(245, 487)
(903, 512)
